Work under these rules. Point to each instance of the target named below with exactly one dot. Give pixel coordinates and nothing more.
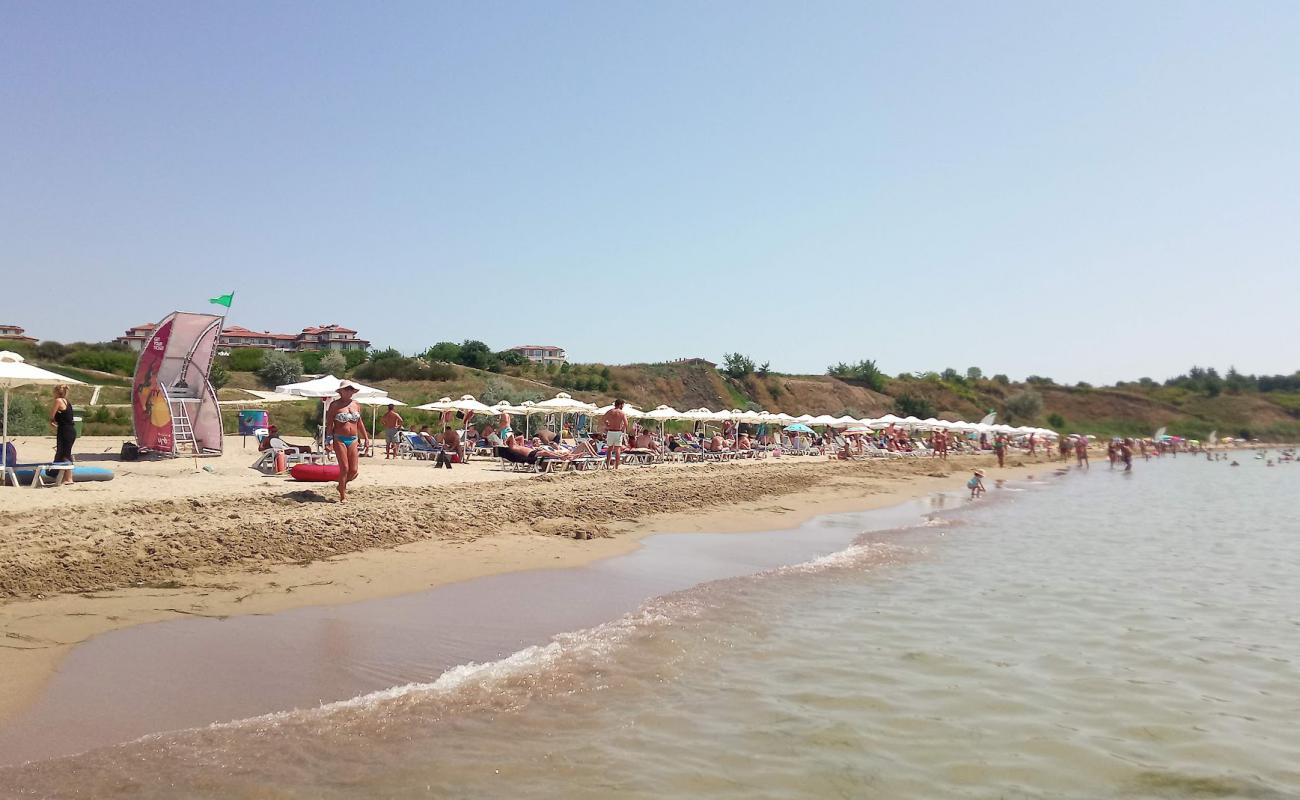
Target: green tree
(974, 374)
(333, 363)
(280, 368)
(310, 360)
(1023, 406)
(907, 405)
(737, 365)
(1056, 420)
(476, 354)
(444, 351)
(951, 375)
(1001, 380)
(356, 358)
(512, 358)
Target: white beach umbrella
(440, 404)
(563, 403)
(504, 407)
(845, 421)
(803, 418)
(782, 417)
(325, 387)
(887, 420)
(628, 408)
(14, 371)
(663, 413)
(374, 403)
(824, 419)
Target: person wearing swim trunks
(392, 422)
(344, 425)
(615, 423)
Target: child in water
(976, 484)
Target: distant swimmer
(1126, 454)
(1081, 451)
(976, 484)
(1234, 464)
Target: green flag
(223, 300)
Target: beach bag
(130, 451)
(11, 455)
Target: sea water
(1103, 635)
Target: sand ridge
(160, 542)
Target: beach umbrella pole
(4, 450)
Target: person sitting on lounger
(644, 440)
(715, 444)
(427, 436)
(743, 443)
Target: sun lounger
(413, 445)
(265, 462)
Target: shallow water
(1104, 636)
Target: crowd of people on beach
(616, 436)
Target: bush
(1056, 420)
(380, 355)
(974, 374)
(864, 372)
(28, 416)
(310, 360)
(279, 368)
(403, 369)
(245, 359)
(218, 376)
(121, 362)
(50, 351)
(333, 363)
(906, 405)
(1023, 406)
(1002, 379)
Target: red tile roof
(330, 328)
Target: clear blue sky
(1094, 190)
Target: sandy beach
(213, 538)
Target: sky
(1089, 191)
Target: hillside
(1130, 410)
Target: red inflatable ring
(315, 473)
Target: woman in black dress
(65, 431)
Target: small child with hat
(976, 484)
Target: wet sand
(74, 573)
(187, 673)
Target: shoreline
(616, 511)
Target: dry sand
(166, 538)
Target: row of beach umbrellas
(564, 403)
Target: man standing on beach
(615, 422)
(392, 422)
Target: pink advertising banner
(153, 418)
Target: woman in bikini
(343, 422)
